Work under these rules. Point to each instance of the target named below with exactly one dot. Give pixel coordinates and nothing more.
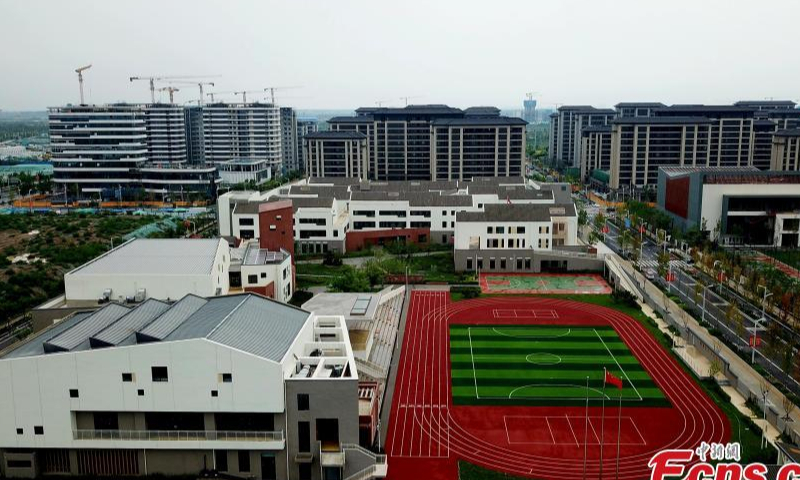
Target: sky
(344, 54)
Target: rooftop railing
(178, 435)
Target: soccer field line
(509, 397)
(618, 365)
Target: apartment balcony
(179, 439)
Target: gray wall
(511, 256)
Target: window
(159, 374)
(444, 224)
(252, 279)
(246, 221)
(491, 264)
(444, 238)
(304, 471)
(489, 229)
(106, 420)
(272, 227)
(19, 431)
(18, 463)
(519, 264)
(263, 274)
(140, 392)
(335, 233)
(244, 460)
(278, 217)
(303, 436)
(73, 393)
(500, 230)
(221, 460)
(480, 262)
(215, 393)
(444, 213)
(520, 229)
(127, 377)
(502, 264)
(227, 377)
(38, 430)
(469, 264)
(302, 401)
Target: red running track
(427, 434)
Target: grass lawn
(468, 471)
(491, 365)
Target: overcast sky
(347, 54)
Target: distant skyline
(348, 53)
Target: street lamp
(757, 324)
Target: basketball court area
(543, 283)
(445, 408)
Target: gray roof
(791, 132)
(639, 105)
(246, 208)
(246, 322)
(155, 257)
(126, 326)
(261, 327)
(497, 212)
(478, 121)
(173, 318)
(335, 135)
(88, 327)
(355, 119)
(334, 180)
(424, 199)
(336, 191)
(306, 202)
(677, 120)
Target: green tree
(663, 263)
(350, 280)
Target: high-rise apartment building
(194, 134)
(565, 132)
(236, 131)
(402, 146)
(288, 138)
(166, 133)
(305, 125)
(529, 113)
(337, 153)
(786, 150)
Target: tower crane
(152, 81)
(79, 71)
(271, 91)
(243, 93)
(529, 95)
(406, 99)
(199, 84)
(171, 91)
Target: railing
(379, 458)
(370, 368)
(178, 435)
(365, 474)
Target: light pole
(705, 289)
(719, 277)
(757, 325)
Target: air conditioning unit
(106, 296)
(141, 294)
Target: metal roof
(516, 212)
(155, 257)
(126, 326)
(87, 328)
(173, 318)
(35, 344)
(260, 326)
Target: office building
(336, 153)
(236, 131)
(235, 386)
(305, 125)
(288, 139)
(125, 151)
(565, 131)
(733, 205)
(401, 145)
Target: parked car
(650, 274)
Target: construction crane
(271, 91)
(79, 71)
(152, 81)
(380, 103)
(171, 91)
(406, 99)
(529, 95)
(199, 84)
(243, 93)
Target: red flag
(613, 380)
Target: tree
(350, 280)
(583, 217)
(663, 263)
(624, 240)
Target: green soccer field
(544, 365)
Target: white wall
(711, 207)
(84, 286)
(279, 273)
(36, 389)
(465, 231)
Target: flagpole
(602, 424)
(586, 430)
(619, 429)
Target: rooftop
(147, 256)
(335, 135)
(668, 120)
(478, 120)
(352, 306)
(246, 322)
(515, 212)
(791, 132)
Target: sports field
(543, 283)
(544, 365)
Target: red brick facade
(359, 240)
(266, 290)
(676, 198)
(276, 226)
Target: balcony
(272, 440)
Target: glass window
(159, 374)
(302, 401)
